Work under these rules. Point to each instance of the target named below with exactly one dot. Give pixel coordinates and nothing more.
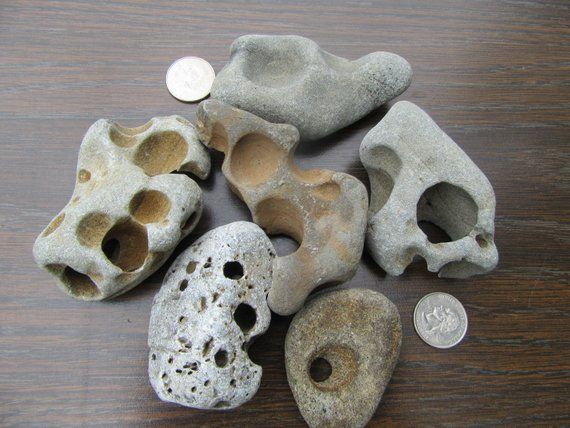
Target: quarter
(190, 78)
(440, 320)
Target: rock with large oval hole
(428, 198)
(211, 306)
(340, 352)
(127, 213)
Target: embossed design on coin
(190, 78)
(440, 320)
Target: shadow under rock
(312, 148)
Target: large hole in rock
(161, 153)
(450, 208)
(254, 159)
(149, 206)
(92, 228)
(78, 284)
(233, 270)
(383, 176)
(320, 369)
(126, 245)
(281, 218)
(245, 317)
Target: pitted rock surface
(290, 79)
(127, 213)
(417, 173)
(357, 332)
(211, 305)
(324, 211)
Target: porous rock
(417, 173)
(127, 213)
(356, 335)
(211, 305)
(324, 211)
(290, 79)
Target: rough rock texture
(126, 214)
(289, 79)
(211, 305)
(356, 334)
(324, 211)
(417, 173)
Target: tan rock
(340, 352)
(126, 214)
(324, 211)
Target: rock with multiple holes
(340, 352)
(290, 79)
(324, 211)
(417, 173)
(211, 305)
(127, 213)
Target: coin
(440, 320)
(190, 78)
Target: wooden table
(493, 74)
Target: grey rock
(357, 332)
(290, 79)
(211, 305)
(127, 213)
(417, 173)
(324, 211)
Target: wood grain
(493, 74)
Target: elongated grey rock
(356, 334)
(417, 173)
(290, 79)
(211, 305)
(323, 210)
(127, 213)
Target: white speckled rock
(127, 213)
(211, 305)
(290, 79)
(358, 333)
(417, 173)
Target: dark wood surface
(493, 74)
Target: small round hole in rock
(191, 267)
(320, 370)
(245, 317)
(221, 358)
(233, 270)
(183, 284)
(481, 241)
(83, 176)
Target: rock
(324, 211)
(417, 173)
(127, 213)
(211, 305)
(340, 352)
(289, 79)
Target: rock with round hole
(323, 210)
(127, 212)
(340, 352)
(211, 305)
(290, 79)
(418, 174)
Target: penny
(190, 78)
(440, 320)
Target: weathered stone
(324, 211)
(211, 305)
(126, 214)
(340, 352)
(289, 79)
(417, 173)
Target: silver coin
(190, 78)
(440, 320)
